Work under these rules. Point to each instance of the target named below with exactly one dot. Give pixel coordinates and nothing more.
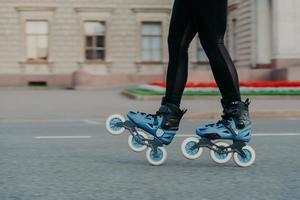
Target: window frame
(142, 23)
(38, 61)
(94, 43)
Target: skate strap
(155, 123)
(170, 108)
(163, 110)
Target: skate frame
(236, 146)
(131, 127)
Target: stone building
(108, 42)
(264, 37)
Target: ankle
(230, 100)
(171, 101)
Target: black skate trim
(151, 125)
(171, 115)
(237, 110)
(234, 134)
(204, 142)
(236, 146)
(212, 136)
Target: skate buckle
(159, 132)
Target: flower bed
(207, 89)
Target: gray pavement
(92, 104)
(101, 166)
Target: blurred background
(80, 43)
(65, 63)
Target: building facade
(105, 42)
(263, 37)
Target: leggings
(208, 19)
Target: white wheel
(111, 122)
(157, 159)
(187, 151)
(134, 145)
(221, 157)
(245, 161)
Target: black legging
(208, 18)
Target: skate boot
(161, 127)
(235, 126)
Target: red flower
(242, 83)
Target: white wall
(263, 32)
(286, 29)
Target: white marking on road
(276, 134)
(40, 120)
(92, 122)
(63, 137)
(255, 134)
(292, 118)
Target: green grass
(143, 92)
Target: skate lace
(149, 115)
(220, 122)
(160, 113)
(240, 111)
(224, 121)
(152, 115)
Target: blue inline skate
(235, 126)
(161, 128)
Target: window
(94, 41)
(151, 42)
(36, 40)
(201, 56)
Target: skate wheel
(156, 159)
(220, 157)
(187, 151)
(248, 160)
(133, 143)
(111, 122)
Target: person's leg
(181, 33)
(164, 124)
(210, 17)
(211, 20)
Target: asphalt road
(99, 166)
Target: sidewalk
(261, 106)
(98, 104)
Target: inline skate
(235, 126)
(161, 128)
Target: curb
(217, 97)
(216, 115)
